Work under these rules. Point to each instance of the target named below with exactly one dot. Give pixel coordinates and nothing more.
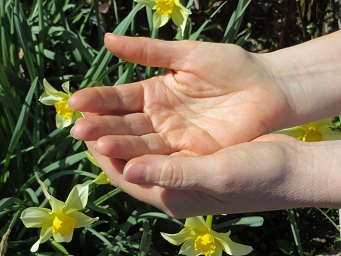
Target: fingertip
(74, 101)
(72, 133)
(135, 173)
(71, 102)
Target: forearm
(318, 170)
(309, 74)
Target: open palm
(212, 97)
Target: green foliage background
(63, 41)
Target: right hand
(213, 96)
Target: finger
(118, 99)
(128, 147)
(171, 172)
(175, 203)
(94, 127)
(149, 52)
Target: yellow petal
(82, 219)
(56, 205)
(160, 20)
(77, 198)
(178, 238)
(45, 234)
(230, 247)
(63, 239)
(36, 217)
(197, 223)
(101, 179)
(91, 158)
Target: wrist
(309, 79)
(315, 179)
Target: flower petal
(230, 247)
(56, 205)
(328, 134)
(36, 217)
(295, 132)
(66, 87)
(77, 198)
(61, 122)
(63, 239)
(218, 250)
(45, 234)
(101, 179)
(49, 100)
(178, 238)
(160, 20)
(50, 90)
(188, 248)
(82, 219)
(91, 158)
(180, 15)
(197, 223)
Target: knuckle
(171, 174)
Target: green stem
(209, 220)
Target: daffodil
(51, 97)
(197, 238)
(312, 132)
(60, 221)
(102, 177)
(165, 10)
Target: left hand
(270, 173)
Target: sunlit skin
(184, 111)
(199, 111)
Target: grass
(63, 41)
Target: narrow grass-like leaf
(255, 221)
(104, 56)
(107, 196)
(235, 22)
(66, 162)
(21, 123)
(196, 34)
(295, 231)
(25, 39)
(146, 239)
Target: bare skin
(182, 125)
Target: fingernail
(135, 173)
(72, 134)
(69, 101)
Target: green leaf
(245, 221)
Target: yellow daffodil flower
(165, 10)
(102, 177)
(62, 219)
(51, 97)
(312, 132)
(197, 238)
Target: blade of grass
(21, 124)
(295, 231)
(104, 56)
(235, 22)
(25, 40)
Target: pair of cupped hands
(195, 140)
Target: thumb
(149, 52)
(172, 172)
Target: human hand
(270, 173)
(213, 96)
